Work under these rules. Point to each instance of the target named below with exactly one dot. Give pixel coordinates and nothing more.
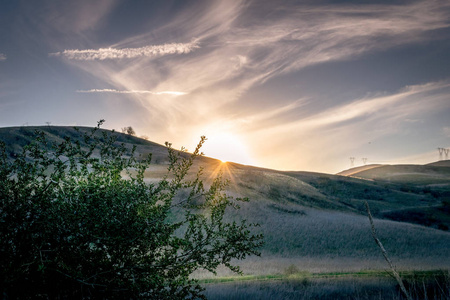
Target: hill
(441, 163)
(17, 137)
(316, 221)
(416, 175)
(430, 179)
(353, 171)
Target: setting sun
(227, 147)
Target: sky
(287, 85)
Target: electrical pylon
(441, 152)
(352, 161)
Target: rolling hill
(317, 221)
(431, 179)
(437, 173)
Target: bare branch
(386, 257)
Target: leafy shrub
(78, 220)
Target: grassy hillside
(430, 182)
(441, 163)
(356, 170)
(316, 221)
(415, 175)
(17, 137)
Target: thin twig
(391, 265)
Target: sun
(227, 147)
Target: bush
(77, 219)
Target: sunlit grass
(223, 169)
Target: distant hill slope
(316, 220)
(431, 179)
(441, 163)
(356, 170)
(435, 173)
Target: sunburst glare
(227, 147)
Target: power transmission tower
(441, 152)
(352, 161)
(364, 159)
(446, 153)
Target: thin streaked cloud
(310, 35)
(408, 102)
(354, 124)
(401, 105)
(251, 50)
(114, 53)
(113, 91)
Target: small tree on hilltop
(131, 131)
(73, 226)
(128, 130)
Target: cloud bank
(113, 53)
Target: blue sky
(291, 85)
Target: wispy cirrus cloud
(113, 91)
(382, 111)
(2, 57)
(255, 45)
(308, 35)
(115, 53)
(245, 44)
(359, 126)
(249, 50)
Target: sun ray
(227, 147)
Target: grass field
(360, 285)
(318, 243)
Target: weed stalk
(386, 257)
